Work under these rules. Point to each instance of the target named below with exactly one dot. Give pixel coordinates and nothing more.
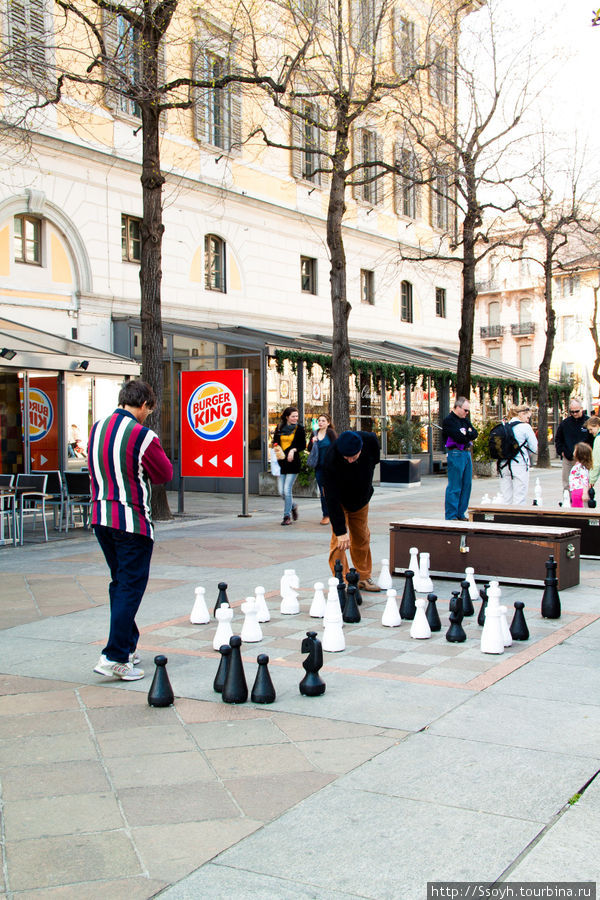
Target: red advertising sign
(43, 422)
(212, 424)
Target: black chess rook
(161, 692)
(221, 597)
(312, 684)
(263, 690)
(235, 689)
(219, 682)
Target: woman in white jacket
(514, 473)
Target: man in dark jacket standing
(571, 431)
(348, 486)
(458, 435)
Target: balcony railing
(482, 287)
(522, 328)
(491, 331)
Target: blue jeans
(128, 557)
(460, 477)
(319, 477)
(285, 483)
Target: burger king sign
(212, 426)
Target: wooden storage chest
(587, 520)
(507, 553)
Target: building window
(367, 287)
(440, 81)
(129, 59)
(440, 302)
(407, 189)
(308, 275)
(131, 240)
(404, 45)
(493, 314)
(310, 142)
(406, 311)
(217, 118)
(525, 312)
(363, 25)
(495, 354)
(217, 111)
(569, 329)
(214, 263)
(28, 240)
(440, 199)
(525, 357)
(367, 150)
(26, 39)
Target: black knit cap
(349, 443)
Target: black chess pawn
(312, 684)
(465, 596)
(342, 596)
(432, 614)
(222, 596)
(456, 633)
(351, 612)
(353, 578)
(161, 692)
(408, 604)
(235, 689)
(550, 599)
(484, 602)
(263, 690)
(219, 682)
(518, 627)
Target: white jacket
(525, 435)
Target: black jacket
(349, 485)
(299, 442)
(458, 431)
(571, 431)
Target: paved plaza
(423, 761)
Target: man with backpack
(511, 443)
(458, 435)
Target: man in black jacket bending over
(458, 435)
(348, 486)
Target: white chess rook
(251, 631)
(223, 615)
(420, 629)
(391, 614)
(385, 579)
(317, 607)
(422, 582)
(199, 614)
(261, 604)
(470, 577)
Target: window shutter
(111, 43)
(36, 39)
(432, 197)
(235, 112)
(357, 189)
(398, 195)
(398, 41)
(379, 185)
(296, 141)
(418, 188)
(324, 138)
(17, 12)
(355, 24)
(199, 95)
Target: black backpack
(503, 444)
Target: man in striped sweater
(125, 458)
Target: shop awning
(42, 351)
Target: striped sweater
(125, 458)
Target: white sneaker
(124, 671)
(134, 658)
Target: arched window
(214, 263)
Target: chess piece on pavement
(199, 614)
(492, 640)
(312, 685)
(351, 613)
(161, 692)
(221, 597)
(221, 675)
(385, 579)
(551, 608)
(518, 626)
(420, 629)
(432, 613)
(251, 630)
(484, 602)
(470, 577)
(456, 633)
(289, 595)
(422, 580)
(391, 613)
(317, 607)
(465, 599)
(263, 690)
(263, 614)
(353, 578)
(235, 689)
(224, 615)
(408, 605)
(333, 632)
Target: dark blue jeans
(128, 557)
(319, 477)
(460, 478)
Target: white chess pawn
(422, 582)
(317, 607)
(491, 635)
(470, 577)
(261, 604)
(391, 614)
(385, 579)
(566, 501)
(413, 563)
(420, 626)
(485, 500)
(289, 597)
(199, 614)
(497, 499)
(223, 615)
(506, 635)
(333, 633)
(537, 493)
(251, 631)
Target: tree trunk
(543, 459)
(340, 358)
(465, 334)
(152, 229)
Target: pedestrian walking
(324, 437)
(289, 439)
(514, 473)
(571, 431)
(458, 435)
(125, 458)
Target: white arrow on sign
(214, 461)
(229, 461)
(198, 460)
(43, 459)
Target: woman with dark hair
(325, 436)
(290, 437)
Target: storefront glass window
(11, 434)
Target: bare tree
(113, 54)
